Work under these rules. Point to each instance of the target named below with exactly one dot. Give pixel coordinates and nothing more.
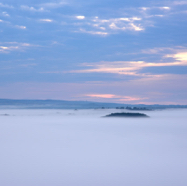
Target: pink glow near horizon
(112, 96)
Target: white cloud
(113, 26)
(123, 23)
(7, 47)
(180, 56)
(136, 28)
(5, 14)
(102, 28)
(124, 19)
(46, 20)
(144, 8)
(80, 17)
(21, 27)
(27, 8)
(93, 32)
(4, 48)
(136, 18)
(165, 8)
(110, 26)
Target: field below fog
(81, 148)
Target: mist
(81, 148)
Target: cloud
(178, 53)
(6, 6)
(46, 20)
(21, 27)
(136, 27)
(96, 26)
(93, 32)
(131, 68)
(112, 96)
(101, 95)
(165, 8)
(122, 23)
(54, 5)
(80, 17)
(7, 47)
(27, 8)
(181, 56)
(158, 50)
(144, 8)
(104, 27)
(180, 3)
(5, 14)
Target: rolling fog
(80, 148)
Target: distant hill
(62, 104)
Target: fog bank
(80, 148)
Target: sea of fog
(81, 148)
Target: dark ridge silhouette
(64, 104)
(126, 114)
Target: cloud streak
(127, 67)
(8, 47)
(32, 9)
(112, 96)
(52, 5)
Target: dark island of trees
(126, 114)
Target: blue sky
(109, 51)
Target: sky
(119, 51)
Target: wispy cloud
(27, 8)
(176, 53)
(97, 26)
(7, 47)
(54, 4)
(21, 27)
(6, 5)
(180, 2)
(5, 14)
(122, 23)
(157, 50)
(112, 96)
(132, 68)
(93, 32)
